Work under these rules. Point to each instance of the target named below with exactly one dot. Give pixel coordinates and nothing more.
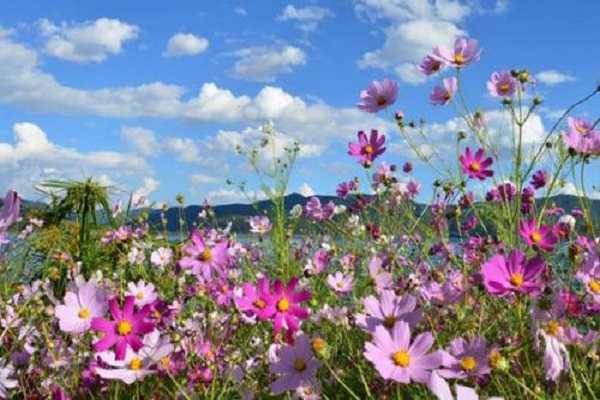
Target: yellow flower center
(165, 362)
(283, 304)
(468, 363)
(260, 303)
(84, 313)
(124, 327)
(495, 357)
(389, 321)
(516, 279)
(135, 364)
(299, 364)
(475, 166)
(401, 358)
(139, 295)
(504, 87)
(536, 237)
(594, 286)
(459, 59)
(318, 345)
(553, 327)
(581, 129)
(206, 255)
(369, 149)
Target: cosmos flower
(296, 366)
(125, 328)
(502, 84)
(378, 96)
(11, 208)
(366, 150)
(466, 359)
(201, 257)
(6, 370)
(395, 358)
(387, 310)
(161, 257)
(465, 52)
(283, 306)
(345, 188)
(513, 274)
(431, 65)
(142, 292)
(475, 165)
(79, 308)
(539, 179)
(542, 238)
(260, 224)
(340, 283)
(582, 137)
(443, 94)
(440, 388)
(253, 299)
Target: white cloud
(263, 64)
(240, 11)
(183, 149)
(305, 190)
(553, 77)
(570, 189)
(307, 18)
(202, 179)
(228, 196)
(148, 187)
(185, 44)
(90, 41)
(141, 140)
(32, 157)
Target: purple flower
(340, 283)
(379, 95)
(407, 167)
(345, 188)
(260, 224)
(124, 329)
(539, 179)
(317, 212)
(466, 359)
(297, 366)
(76, 314)
(582, 137)
(388, 310)
(283, 306)
(475, 165)
(465, 52)
(442, 94)
(366, 150)
(9, 214)
(6, 370)
(253, 299)
(431, 65)
(502, 84)
(397, 359)
(513, 274)
(542, 238)
(203, 258)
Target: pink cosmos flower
(345, 188)
(542, 238)
(443, 94)
(260, 224)
(367, 150)
(440, 388)
(431, 65)
(317, 212)
(142, 292)
(283, 306)
(466, 359)
(76, 314)
(382, 278)
(513, 274)
(502, 84)
(161, 257)
(474, 165)
(297, 366)
(203, 258)
(582, 136)
(378, 96)
(465, 52)
(589, 276)
(388, 310)
(397, 359)
(124, 329)
(340, 283)
(253, 299)
(9, 215)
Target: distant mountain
(238, 214)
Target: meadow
(482, 294)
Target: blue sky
(154, 98)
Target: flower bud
(537, 101)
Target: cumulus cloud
(90, 41)
(141, 140)
(32, 157)
(306, 18)
(149, 186)
(305, 190)
(553, 77)
(185, 44)
(571, 189)
(228, 196)
(264, 64)
(203, 179)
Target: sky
(154, 99)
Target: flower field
(488, 291)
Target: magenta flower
(431, 65)
(443, 94)
(379, 95)
(502, 84)
(203, 258)
(513, 274)
(124, 329)
(465, 52)
(253, 300)
(397, 359)
(388, 310)
(589, 276)
(539, 179)
(297, 366)
(542, 238)
(475, 165)
(283, 306)
(76, 314)
(316, 211)
(466, 359)
(367, 150)
(582, 137)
